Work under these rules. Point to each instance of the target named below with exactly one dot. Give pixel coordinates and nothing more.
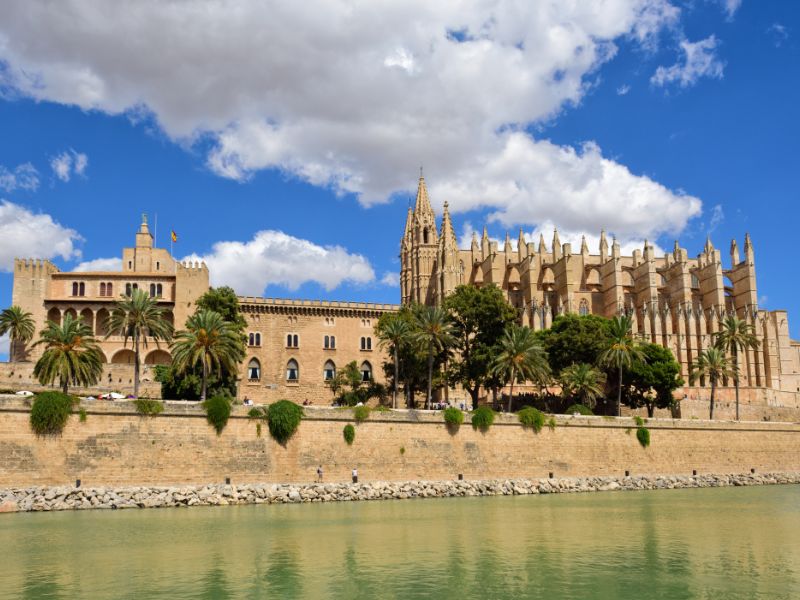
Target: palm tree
(735, 335)
(520, 356)
(137, 317)
(434, 333)
(712, 363)
(622, 352)
(71, 354)
(20, 328)
(209, 341)
(394, 332)
(584, 382)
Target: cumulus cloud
(25, 234)
(779, 34)
(69, 163)
(730, 7)
(22, 177)
(273, 257)
(699, 60)
(100, 264)
(391, 279)
(623, 90)
(351, 99)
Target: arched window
(159, 290)
(289, 341)
(152, 290)
(102, 289)
(109, 289)
(369, 343)
(295, 341)
(333, 342)
(81, 289)
(254, 370)
(251, 339)
(136, 286)
(292, 370)
(425, 236)
(258, 339)
(366, 371)
(583, 309)
(326, 342)
(128, 289)
(329, 370)
(363, 343)
(74, 288)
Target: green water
(713, 543)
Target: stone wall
(15, 376)
(115, 446)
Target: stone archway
(123, 357)
(158, 357)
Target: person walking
(355, 475)
(319, 473)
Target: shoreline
(58, 498)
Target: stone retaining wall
(71, 498)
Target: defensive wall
(116, 447)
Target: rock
(8, 506)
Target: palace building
(295, 346)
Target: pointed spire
(709, 247)
(522, 246)
(448, 234)
(615, 252)
(486, 248)
(556, 245)
(648, 251)
(475, 246)
(749, 255)
(542, 246)
(507, 247)
(748, 244)
(584, 245)
(409, 224)
(603, 246)
(422, 206)
(734, 253)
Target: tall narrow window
(329, 370)
(81, 289)
(295, 341)
(74, 288)
(289, 341)
(258, 339)
(152, 290)
(366, 371)
(363, 343)
(583, 310)
(292, 370)
(159, 290)
(103, 288)
(158, 265)
(369, 343)
(326, 342)
(251, 339)
(333, 342)
(109, 289)
(254, 370)
(128, 289)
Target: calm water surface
(714, 543)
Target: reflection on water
(713, 543)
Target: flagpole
(155, 241)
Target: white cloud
(5, 345)
(730, 7)
(273, 257)
(391, 279)
(699, 60)
(67, 163)
(25, 234)
(623, 90)
(779, 34)
(100, 264)
(22, 177)
(354, 99)
(717, 217)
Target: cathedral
(675, 301)
(294, 347)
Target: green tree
(575, 339)
(713, 364)
(223, 300)
(337, 383)
(520, 357)
(19, 326)
(71, 355)
(583, 382)
(480, 316)
(393, 331)
(653, 380)
(735, 335)
(138, 317)
(210, 342)
(622, 351)
(434, 333)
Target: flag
(174, 236)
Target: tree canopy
(575, 339)
(652, 381)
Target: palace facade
(295, 346)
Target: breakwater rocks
(71, 498)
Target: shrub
(218, 410)
(453, 416)
(382, 408)
(643, 435)
(580, 409)
(638, 420)
(148, 407)
(349, 433)
(361, 413)
(284, 418)
(530, 417)
(551, 423)
(258, 412)
(482, 418)
(49, 412)
(82, 415)
(402, 449)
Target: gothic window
(158, 265)
(369, 343)
(329, 370)
(251, 339)
(366, 371)
(292, 341)
(292, 370)
(329, 342)
(425, 236)
(81, 289)
(74, 288)
(159, 290)
(128, 288)
(583, 309)
(102, 289)
(366, 343)
(152, 290)
(258, 339)
(254, 370)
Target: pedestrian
(355, 475)
(319, 473)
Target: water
(713, 543)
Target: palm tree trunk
(511, 390)
(65, 385)
(619, 394)
(136, 365)
(205, 381)
(396, 375)
(736, 379)
(711, 404)
(430, 375)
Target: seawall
(117, 447)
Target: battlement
(189, 265)
(253, 304)
(34, 266)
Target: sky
(282, 141)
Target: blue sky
(287, 160)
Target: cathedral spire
(507, 247)
(584, 245)
(409, 224)
(734, 253)
(603, 246)
(709, 247)
(556, 245)
(448, 235)
(422, 206)
(542, 246)
(522, 247)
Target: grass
(149, 408)
(531, 417)
(50, 412)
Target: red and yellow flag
(174, 236)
